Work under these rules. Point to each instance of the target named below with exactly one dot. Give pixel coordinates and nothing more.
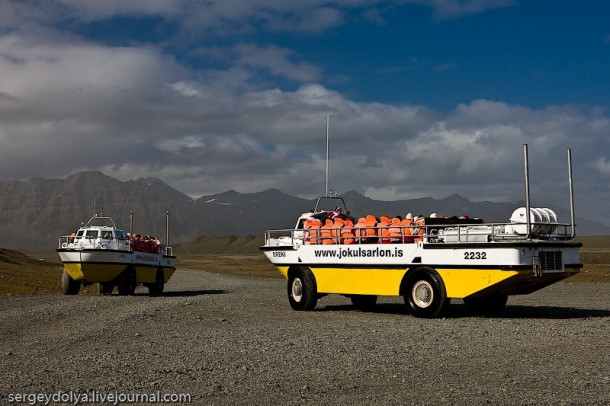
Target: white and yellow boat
(428, 262)
(99, 252)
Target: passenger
(396, 233)
(314, 231)
(326, 232)
(347, 232)
(306, 227)
(370, 223)
(384, 229)
(420, 228)
(337, 226)
(407, 224)
(360, 231)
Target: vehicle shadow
(459, 310)
(188, 293)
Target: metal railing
(434, 234)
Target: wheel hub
(297, 290)
(422, 294)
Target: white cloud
(134, 111)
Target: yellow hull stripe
(459, 283)
(107, 272)
(94, 272)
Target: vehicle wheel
(127, 282)
(68, 285)
(105, 288)
(365, 303)
(490, 305)
(425, 294)
(302, 290)
(156, 289)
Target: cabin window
(107, 235)
(91, 234)
(119, 235)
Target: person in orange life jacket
(347, 232)
(314, 230)
(337, 226)
(370, 222)
(407, 223)
(396, 230)
(384, 224)
(359, 230)
(326, 232)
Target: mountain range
(34, 213)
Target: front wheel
(302, 290)
(156, 289)
(68, 285)
(127, 282)
(425, 294)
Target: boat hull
(99, 266)
(467, 270)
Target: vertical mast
(527, 190)
(166, 231)
(572, 219)
(327, 131)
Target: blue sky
(427, 97)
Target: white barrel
(543, 220)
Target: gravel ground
(234, 340)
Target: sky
(426, 98)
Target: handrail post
(527, 191)
(572, 218)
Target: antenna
(327, 136)
(527, 190)
(572, 218)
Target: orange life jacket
(384, 224)
(406, 223)
(370, 222)
(314, 230)
(359, 229)
(326, 232)
(347, 232)
(395, 231)
(337, 226)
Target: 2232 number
(475, 255)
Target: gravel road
(235, 340)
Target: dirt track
(232, 340)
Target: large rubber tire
(105, 288)
(127, 282)
(365, 303)
(490, 305)
(302, 289)
(425, 294)
(156, 289)
(68, 285)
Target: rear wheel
(68, 285)
(302, 290)
(127, 282)
(425, 294)
(490, 305)
(156, 289)
(365, 303)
